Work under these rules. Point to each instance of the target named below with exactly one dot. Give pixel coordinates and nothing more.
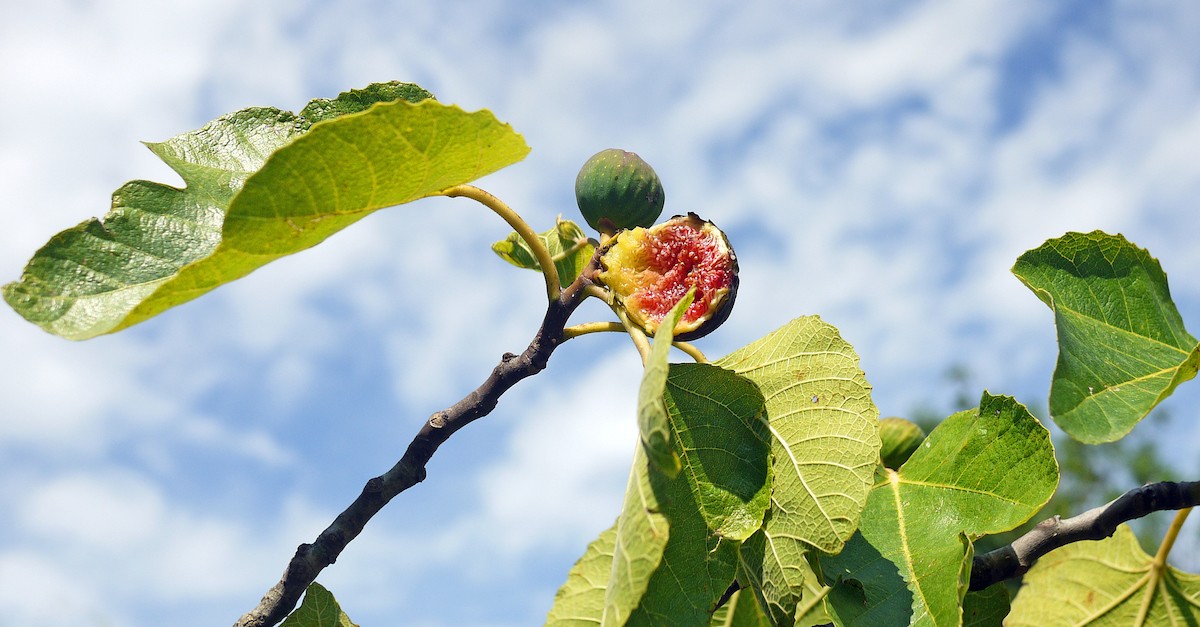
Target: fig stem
(595, 291)
(518, 224)
(692, 351)
(637, 335)
(610, 327)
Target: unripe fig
(650, 270)
(900, 439)
(618, 190)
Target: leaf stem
(814, 601)
(637, 335)
(1159, 565)
(576, 247)
(1160, 558)
(611, 327)
(692, 351)
(592, 327)
(549, 270)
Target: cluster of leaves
(761, 492)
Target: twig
(310, 559)
(1017, 558)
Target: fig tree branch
(1095, 524)
(310, 559)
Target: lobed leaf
(823, 427)
(987, 607)
(580, 600)
(741, 610)
(1122, 344)
(1109, 582)
(568, 245)
(724, 444)
(980, 472)
(260, 184)
(690, 523)
(778, 571)
(654, 425)
(642, 532)
(319, 609)
(718, 498)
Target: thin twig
(1101, 522)
(311, 559)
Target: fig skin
(618, 190)
(609, 277)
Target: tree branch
(1095, 524)
(311, 559)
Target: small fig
(618, 190)
(649, 270)
(900, 438)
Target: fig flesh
(650, 270)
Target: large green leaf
(260, 184)
(319, 609)
(642, 532)
(580, 601)
(777, 570)
(979, 472)
(690, 523)
(1122, 344)
(724, 443)
(654, 423)
(823, 426)
(741, 610)
(1109, 582)
(568, 245)
(986, 608)
(718, 498)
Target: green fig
(900, 438)
(617, 190)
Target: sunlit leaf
(724, 444)
(1122, 344)
(568, 246)
(580, 601)
(823, 426)
(979, 472)
(777, 570)
(260, 184)
(718, 498)
(689, 523)
(319, 609)
(654, 425)
(741, 610)
(1110, 582)
(642, 532)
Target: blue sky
(880, 168)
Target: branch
(311, 559)
(1017, 558)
